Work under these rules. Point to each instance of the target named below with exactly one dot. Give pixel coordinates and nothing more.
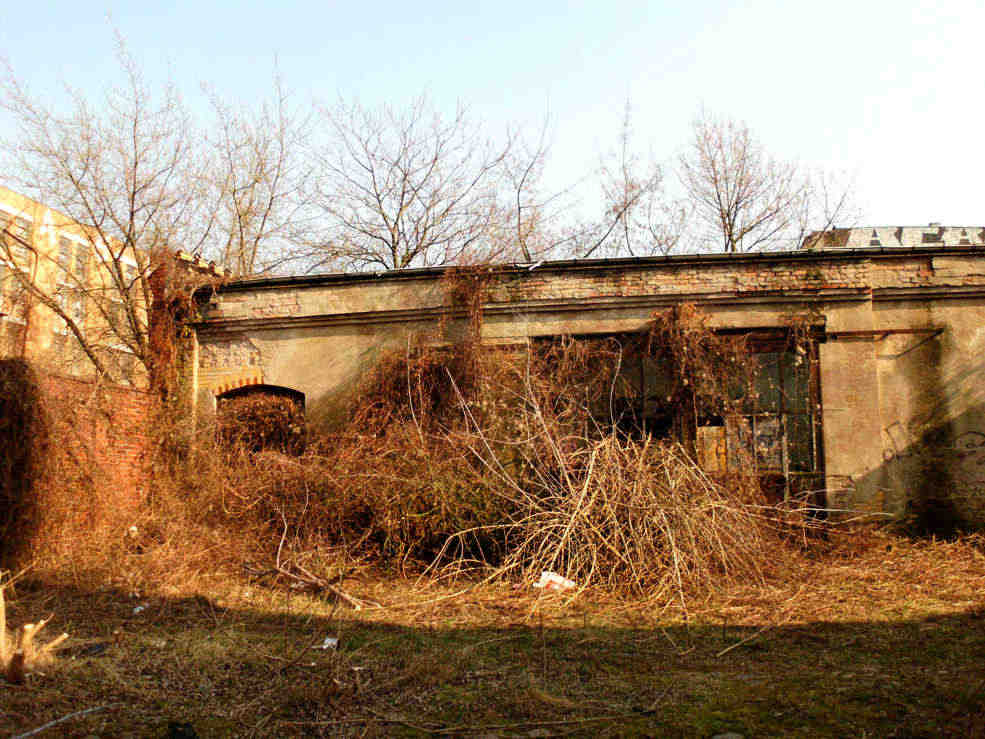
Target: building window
(118, 322)
(129, 272)
(11, 292)
(73, 261)
(65, 253)
(23, 229)
(73, 304)
(12, 302)
(20, 228)
(82, 263)
(72, 281)
(18, 236)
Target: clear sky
(893, 92)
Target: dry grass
(879, 636)
(699, 609)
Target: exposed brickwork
(814, 271)
(779, 276)
(108, 426)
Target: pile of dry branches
(19, 654)
(457, 457)
(634, 515)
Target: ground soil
(886, 641)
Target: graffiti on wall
(944, 463)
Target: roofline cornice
(607, 265)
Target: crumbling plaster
(884, 394)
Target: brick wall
(694, 277)
(75, 466)
(778, 276)
(106, 426)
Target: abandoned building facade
(886, 406)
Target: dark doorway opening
(262, 417)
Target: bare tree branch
(131, 179)
(748, 200)
(637, 219)
(260, 182)
(409, 188)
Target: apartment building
(65, 294)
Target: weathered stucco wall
(901, 371)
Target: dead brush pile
(633, 515)
(517, 461)
(392, 484)
(589, 492)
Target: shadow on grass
(248, 671)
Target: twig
(743, 641)
(315, 583)
(69, 717)
(297, 659)
(470, 647)
(465, 728)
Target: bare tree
(830, 201)
(260, 180)
(638, 219)
(537, 223)
(123, 172)
(134, 180)
(409, 188)
(745, 198)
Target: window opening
(775, 427)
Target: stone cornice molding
(538, 307)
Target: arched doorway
(260, 417)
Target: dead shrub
(639, 516)
(262, 421)
(526, 460)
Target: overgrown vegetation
(469, 463)
(495, 462)
(459, 459)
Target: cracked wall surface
(902, 381)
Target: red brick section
(107, 426)
(905, 270)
